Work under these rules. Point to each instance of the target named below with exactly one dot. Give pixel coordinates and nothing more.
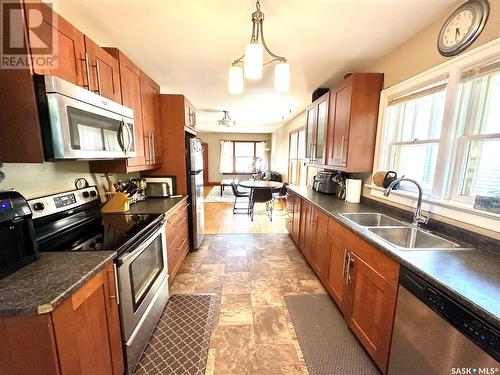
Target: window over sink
(442, 128)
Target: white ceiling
(187, 46)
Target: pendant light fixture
(226, 120)
(253, 60)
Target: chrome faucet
(418, 218)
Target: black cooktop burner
(90, 231)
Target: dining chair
(240, 194)
(262, 196)
(281, 194)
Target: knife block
(119, 202)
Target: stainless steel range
(72, 221)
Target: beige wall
(33, 180)
(279, 144)
(213, 140)
(419, 53)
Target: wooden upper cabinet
(316, 129)
(130, 86)
(103, 71)
(353, 115)
(339, 131)
(150, 92)
(70, 46)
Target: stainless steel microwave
(79, 124)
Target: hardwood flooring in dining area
(219, 219)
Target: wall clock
(463, 27)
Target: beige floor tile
(266, 297)
(236, 283)
(236, 309)
(271, 325)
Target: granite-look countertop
(154, 205)
(42, 285)
(471, 277)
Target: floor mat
(327, 344)
(180, 342)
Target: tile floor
(250, 274)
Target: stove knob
(38, 206)
(86, 194)
(93, 193)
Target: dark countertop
(471, 277)
(42, 285)
(154, 205)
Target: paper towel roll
(353, 190)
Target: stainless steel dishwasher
(433, 334)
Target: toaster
(158, 187)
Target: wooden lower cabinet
(362, 280)
(81, 336)
(370, 308)
(177, 238)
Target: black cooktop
(91, 231)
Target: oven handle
(143, 243)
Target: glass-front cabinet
(316, 128)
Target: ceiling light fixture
(253, 60)
(226, 120)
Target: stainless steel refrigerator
(194, 159)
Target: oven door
(142, 273)
(79, 130)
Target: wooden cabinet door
(130, 79)
(113, 315)
(81, 330)
(370, 314)
(290, 200)
(310, 131)
(319, 149)
(150, 92)
(104, 71)
(336, 279)
(321, 251)
(340, 115)
(296, 219)
(70, 46)
(304, 222)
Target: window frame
(451, 149)
(233, 143)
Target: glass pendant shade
(254, 61)
(235, 81)
(282, 77)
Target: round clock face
(463, 27)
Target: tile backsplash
(37, 179)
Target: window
(477, 119)
(442, 128)
(413, 128)
(296, 157)
(243, 157)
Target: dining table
(260, 184)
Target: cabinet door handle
(343, 263)
(98, 71)
(153, 148)
(348, 263)
(87, 70)
(146, 148)
(117, 295)
(342, 153)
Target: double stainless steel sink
(402, 235)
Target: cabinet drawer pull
(146, 148)
(181, 222)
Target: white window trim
(446, 169)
